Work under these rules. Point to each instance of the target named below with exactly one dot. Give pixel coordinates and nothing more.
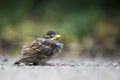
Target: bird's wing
(32, 52)
(38, 47)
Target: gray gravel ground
(66, 69)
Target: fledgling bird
(41, 49)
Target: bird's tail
(25, 60)
(17, 62)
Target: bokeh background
(89, 28)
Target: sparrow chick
(41, 49)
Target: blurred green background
(89, 28)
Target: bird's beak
(56, 37)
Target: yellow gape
(56, 37)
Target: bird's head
(53, 35)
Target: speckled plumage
(40, 50)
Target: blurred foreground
(75, 69)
